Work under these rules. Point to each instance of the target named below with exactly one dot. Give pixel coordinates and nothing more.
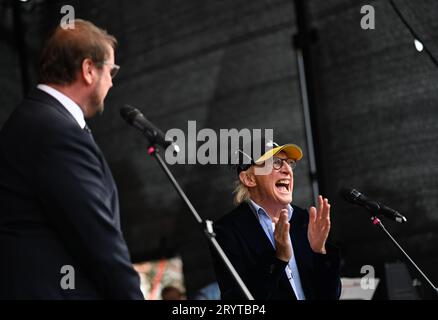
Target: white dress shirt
(67, 103)
(291, 268)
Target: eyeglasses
(277, 163)
(114, 68)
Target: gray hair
(241, 193)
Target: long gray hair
(241, 193)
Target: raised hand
(319, 225)
(281, 237)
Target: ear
(248, 179)
(87, 71)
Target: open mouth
(283, 185)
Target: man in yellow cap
(279, 250)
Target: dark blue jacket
(242, 238)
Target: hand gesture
(281, 237)
(319, 225)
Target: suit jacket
(243, 240)
(58, 207)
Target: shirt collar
(260, 211)
(67, 103)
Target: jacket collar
(43, 97)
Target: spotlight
(418, 45)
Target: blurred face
(103, 84)
(275, 189)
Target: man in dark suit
(60, 235)
(279, 250)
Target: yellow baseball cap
(270, 149)
(292, 151)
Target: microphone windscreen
(128, 113)
(346, 194)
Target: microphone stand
(376, 221)
(207, 225)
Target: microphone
(354, 196)
(136, 119)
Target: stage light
(418, 45)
